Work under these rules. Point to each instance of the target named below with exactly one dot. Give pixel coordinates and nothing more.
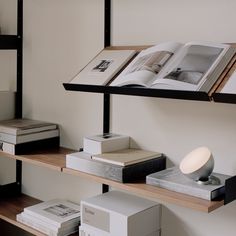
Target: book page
(101, 69)
(143, 69)
(230, 86)
(191, 67)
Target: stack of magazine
(18, 136)
(54, 217)
(110, 156)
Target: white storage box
(116, 213)
(99, 144)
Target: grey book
(173, 179)
(82, 161)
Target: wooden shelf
(155, 192)
(9, 42)
(55, 159)
(52, 158)
(10, 207)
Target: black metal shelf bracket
(15, 42)
(106, 98)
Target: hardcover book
(82, 161)
(24, 126)
(59, 213)
(107, 142)
(173, 179)
(103, 67)
(24, 148)
(45, 227)
(18, 139)
(126, 157)
(194, 66)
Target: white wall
(61, 36)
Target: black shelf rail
(9, 42)
(224, 98)
(15, 42)
(146, 92)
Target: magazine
(193, 66)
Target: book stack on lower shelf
(109, 156)
(54, 218)
(19, 136)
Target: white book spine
(16, 139)
(50, 221)
(7, 147)
(36, 226)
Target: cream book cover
(126, 157)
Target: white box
(116, 213)
(99, 144)
(89, 231)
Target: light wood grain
(154, 192)
(9, 208)
(52, 158)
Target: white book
(56, 212)
(17, 139)
(194, 66)
(46, 229)
(103, 67)
(126, 157)
(24, 126)
(108, 142)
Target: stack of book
(18, 136)
(54, 218)
(109, 156)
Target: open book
(194, 66)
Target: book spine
(9, 138)
(24, 148)
(14, 139)
(7, 147)
(36, 225)
(139, 171)
(118, 173)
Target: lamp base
(211, 180)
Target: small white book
(103, 67)
(194, 66)
(107, 142)
(126, 157)
(24, 126)
(45, 227)
(59, 213)
(17, 139)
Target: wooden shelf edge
(53, 159)
(10, 207)
(154, 192)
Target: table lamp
(198, 166)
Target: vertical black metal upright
(19, 82)
(106, 99)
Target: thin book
(126, 157)
(24, 126)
